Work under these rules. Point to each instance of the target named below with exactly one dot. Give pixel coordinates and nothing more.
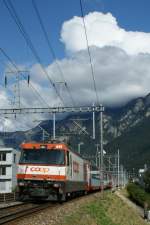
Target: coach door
(87, 174)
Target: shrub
(138, 195)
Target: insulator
(5, 81)
(28, 80)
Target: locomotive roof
(48, 146)
(32, 145)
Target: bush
(146, 179)
(138, 195)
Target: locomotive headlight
(56, 185)
(21, 184)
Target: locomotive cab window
(43, 156)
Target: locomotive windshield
(43, 156)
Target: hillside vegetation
(134, 146)
(138, 195)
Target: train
(52, 171)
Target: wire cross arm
(52, 110)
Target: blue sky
(131, 15)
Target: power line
(17, 70)
(37, 93)
(51, 49)
(25, 35)
(88, 49)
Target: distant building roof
(141, 170)
(3, 147)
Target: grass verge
(110, 210)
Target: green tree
(146, 179)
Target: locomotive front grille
(35, 183)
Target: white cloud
(29, 97)
(119, 76)
(4, 99)
(102, 30)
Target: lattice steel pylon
(16, 102)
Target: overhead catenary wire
(52, 50)
(25, 35)
(17, 69)
(89, 53)
(41, 99)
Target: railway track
(11, 205)
(12, 213)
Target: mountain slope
(134, 146)
(126, 128)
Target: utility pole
(93, 123)
(44, 132)
(59, 86)
(54, 126)
(79, 147)
(100, 171)
(115, 171)
(109, 163)
(118, 169)
(122, 180)
(101, 148)
(97, 155)
(17, 91)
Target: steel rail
(23, 212)
(9, 206)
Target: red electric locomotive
(51, 171)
